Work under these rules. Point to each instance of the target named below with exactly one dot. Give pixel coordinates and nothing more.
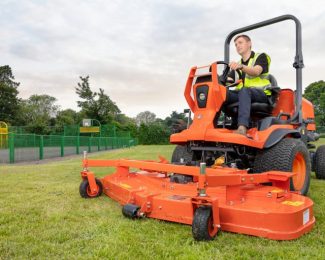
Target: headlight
(202, 96)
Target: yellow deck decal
(276, 191)
(125, 186)
(293, 203)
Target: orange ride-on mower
(220, 180)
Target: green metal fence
(107, 130)
(32, 147)
(48, 130)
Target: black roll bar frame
(298, 61)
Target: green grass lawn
(43, 216)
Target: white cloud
(140, 52)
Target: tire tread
(320, 162)
(200, 224)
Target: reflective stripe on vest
(261, 81)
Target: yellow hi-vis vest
(261, 81)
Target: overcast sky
(140, 52)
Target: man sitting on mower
(254, 68)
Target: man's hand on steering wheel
(235, 65)
(225, 75)
(230, 82)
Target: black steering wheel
(223, 79)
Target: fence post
(78, 145)
(41, 147)
(99, 140)
(11, 147)
(105, 139)
(89, 144)
(114, 131)
(62, 146)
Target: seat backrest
(273, 81)
(274, 89)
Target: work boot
(242, 130)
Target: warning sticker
(293, 203)
(305, 217)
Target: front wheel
(202, 226)
(181, 155)
(86, 192)
(289, 155)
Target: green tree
(176, 122)
(9, 101)
(125, 123)
(153, 133)
(38, 113)
(122, 119)
(67, 117)
(95, 105)
(315, 93)
(145, 117)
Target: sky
(140, 52)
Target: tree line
(40, 114)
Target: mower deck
(238, 200)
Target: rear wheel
(320, 162)
(289, 155)
(202, 226)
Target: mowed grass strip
(42, 216)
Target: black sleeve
(262, 61)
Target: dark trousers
(245, 97)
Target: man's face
(242, 45)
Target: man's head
(243, 44)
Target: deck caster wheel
(320, 162)
(202, 226)
(85, 191)
(130, 211)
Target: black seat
(259, 110)
(262, 109)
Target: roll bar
(298, 62)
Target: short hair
(246, 37)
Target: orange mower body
(237, 200)
(218, 179)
